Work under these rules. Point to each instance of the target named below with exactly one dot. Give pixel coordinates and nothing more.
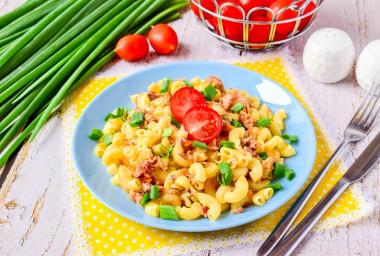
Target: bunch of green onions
(50, 47)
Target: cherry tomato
(163, 39)
(132, 47)
(231, 28)
(207, 4)
(202, 123)
(309, 8)
(259, 33)
(279, 36)
(183, 100)
(237, 37)
(285, 15)
(267, 3)
(248, 5)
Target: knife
(361, 166)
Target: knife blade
(361, 166)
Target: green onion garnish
(154, 194)
(187, 84)
(279, 170)
(291, 138)
(110, 115)
(108, 140)
(128, 109)
(145, 127)
(175, 122)
(137, 119)
(290, 174)
(263, 122)
(95, 134)
(119, 112)
(237, 107)
(167, 154)
(207, 97)
(167, 212)
(263, 155)
(167, 132)
(199, 144)
(227, 144)
(210, 91)
(224, 117)
(225, 170)
(171, 149)
(236, 123)
(145, 199)
(165, 85)
(275, 186)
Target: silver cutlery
(362, 165)
(357, 128)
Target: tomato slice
(202, 123)
(183, 100)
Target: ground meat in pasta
(246, 119)
(232, 97)
(217, 83)
(227, 127)
(250, 145)
(154, 95)
(204, 211)
(213, 146)
(238, 210)
(150, 118)
(136, 196)
(146, 167)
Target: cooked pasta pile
(150, 156)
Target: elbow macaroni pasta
(188, 177)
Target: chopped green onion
(171, 149)
(167, 212)
(108, 140)
(279, 170)
(137, 119)
(165, 85)
(154, 194)
(167, 132)
(128, 109)
(110, 115)
(291, 138)
(224, 117)
(199, 144)
(187, 84)
(207, 97)
(95, 134)
(237, 107)
(225, 170)
(275, 186)
(289, 174)
(145, 199)
(263, 155)
(227, 144)
(119, 112)
(145, 127)
(175, 122)
(211, 91)
(263, 122)
(167, 154)
(236, 123)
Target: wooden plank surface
(34, 203)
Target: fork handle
(292, 240)
(280, 231)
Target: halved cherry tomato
(207, 4)
(231, 28)
(132, 47)
(185, 99)
(163, 39)
(202, 123)
(248, 5)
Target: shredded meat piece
(217, 83)
(136, 197)
(146, 186)
(238, 210)
(183, 155)
(249, 193)
(154, 95)
(226, 128)
(187, 146)
(232, 97)
(250, 145)
(246, 119)
(213, 146)
(204, 211)
(128, 142)
(146, 167)
(150, 118)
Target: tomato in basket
(203, 123)
(309, 8)
(248, 5)
(259, 33)
(207, 4)
(231, 28)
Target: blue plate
(97, 179)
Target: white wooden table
(34, 203)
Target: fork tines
(369, 108)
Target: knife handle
(287, 245)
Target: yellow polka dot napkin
(99, 231)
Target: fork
(357, 128)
